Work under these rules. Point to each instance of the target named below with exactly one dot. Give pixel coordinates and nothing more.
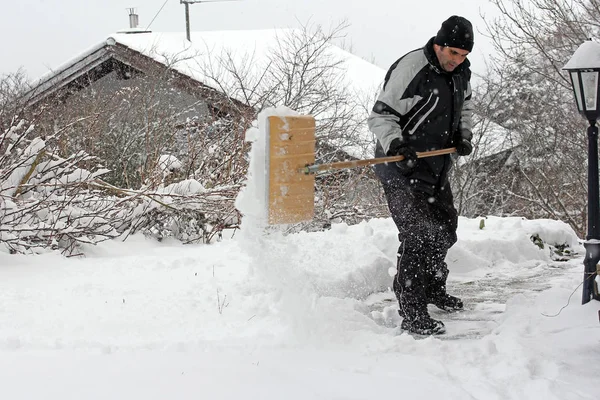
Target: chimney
(134, 21)
(133, 18)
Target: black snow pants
(426, 229)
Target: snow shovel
(291, 168)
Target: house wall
(127, 119)
(115, 94)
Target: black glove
(463, 146)
(397, 148)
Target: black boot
(447, 302)
(424, 325)
(436, 288)
(416, 319)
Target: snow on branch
(49, 202)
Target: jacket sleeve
(395, 100)
(466, 117)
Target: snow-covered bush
(52, 202)
(186, 211)
(47, 201)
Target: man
(425, 104)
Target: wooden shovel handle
(311, 169)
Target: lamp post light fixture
(584, 70)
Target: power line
(203, 1)
(161, 8)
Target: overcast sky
(40, 35)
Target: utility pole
(187, 3)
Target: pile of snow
(503, 240)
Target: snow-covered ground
(298, 316)
(302, 316)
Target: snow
(265, 315)
(253, 201)
(587, 56)
(168, 163)
(288, 317)
(10, 186)
(184, 187)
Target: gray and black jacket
(428, 109)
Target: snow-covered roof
(174, 50)
(191, 58)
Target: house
(223, 69)
(121, 98)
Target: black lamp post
(584, 69)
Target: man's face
(450, 57)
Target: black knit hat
(455, 32)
